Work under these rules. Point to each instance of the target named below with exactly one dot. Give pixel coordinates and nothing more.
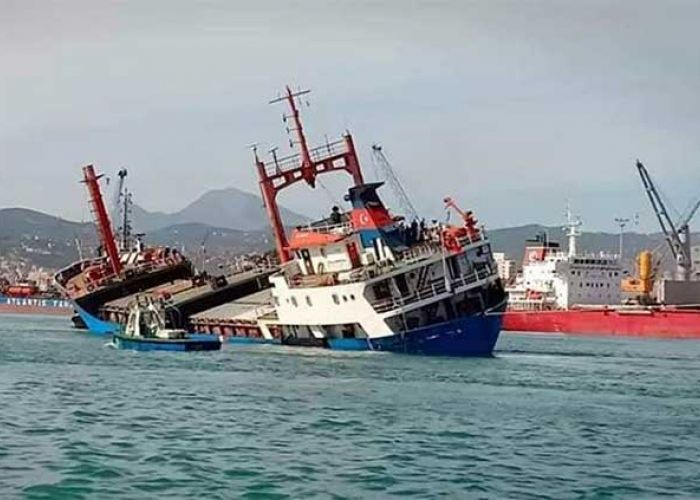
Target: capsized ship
(364, 279)
(118, 272)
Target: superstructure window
(294, 302)
(336, 300)
(308, 301)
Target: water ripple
(546, 418)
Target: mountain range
(208, 226)
(225, 208)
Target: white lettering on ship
(27, 302)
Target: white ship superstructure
(368, 281)
(554, 279)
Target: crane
(677, 235)
(385, 171)
(115, 213)
(684, 232)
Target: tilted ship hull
(88, 306)
(365, 278)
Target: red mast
(104, 226)
(330, 157)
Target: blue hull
(250, 340)
(470, 336)
(96, 325)
(184, 345)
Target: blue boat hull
(180, 345)
(250, 340)
(96, 325)
(469, 336)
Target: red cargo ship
(653, 321)
(572, 293)
(26, 298)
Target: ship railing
(430, 247)
(434, 288)
(467, 240)
(317, 154)
(283, 164)
(544, 304)
(339, 228)
(329, 150)
(419, 252)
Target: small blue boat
(184, 344)
(146, 330)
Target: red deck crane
(104, 226)
(281, 173)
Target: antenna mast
(384, 171)
(573, 225)
(118, 193)
(104, 226)
(126, 221)
(306, 165)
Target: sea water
(547, 417)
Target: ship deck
(191, 301)
(247, 308)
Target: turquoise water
(547, 418)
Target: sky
(513, 108)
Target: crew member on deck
(335, 215)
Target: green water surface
(548, 417)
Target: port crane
(677, 235)
(384, 171)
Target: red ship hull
(53, 307)
(647, 322)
